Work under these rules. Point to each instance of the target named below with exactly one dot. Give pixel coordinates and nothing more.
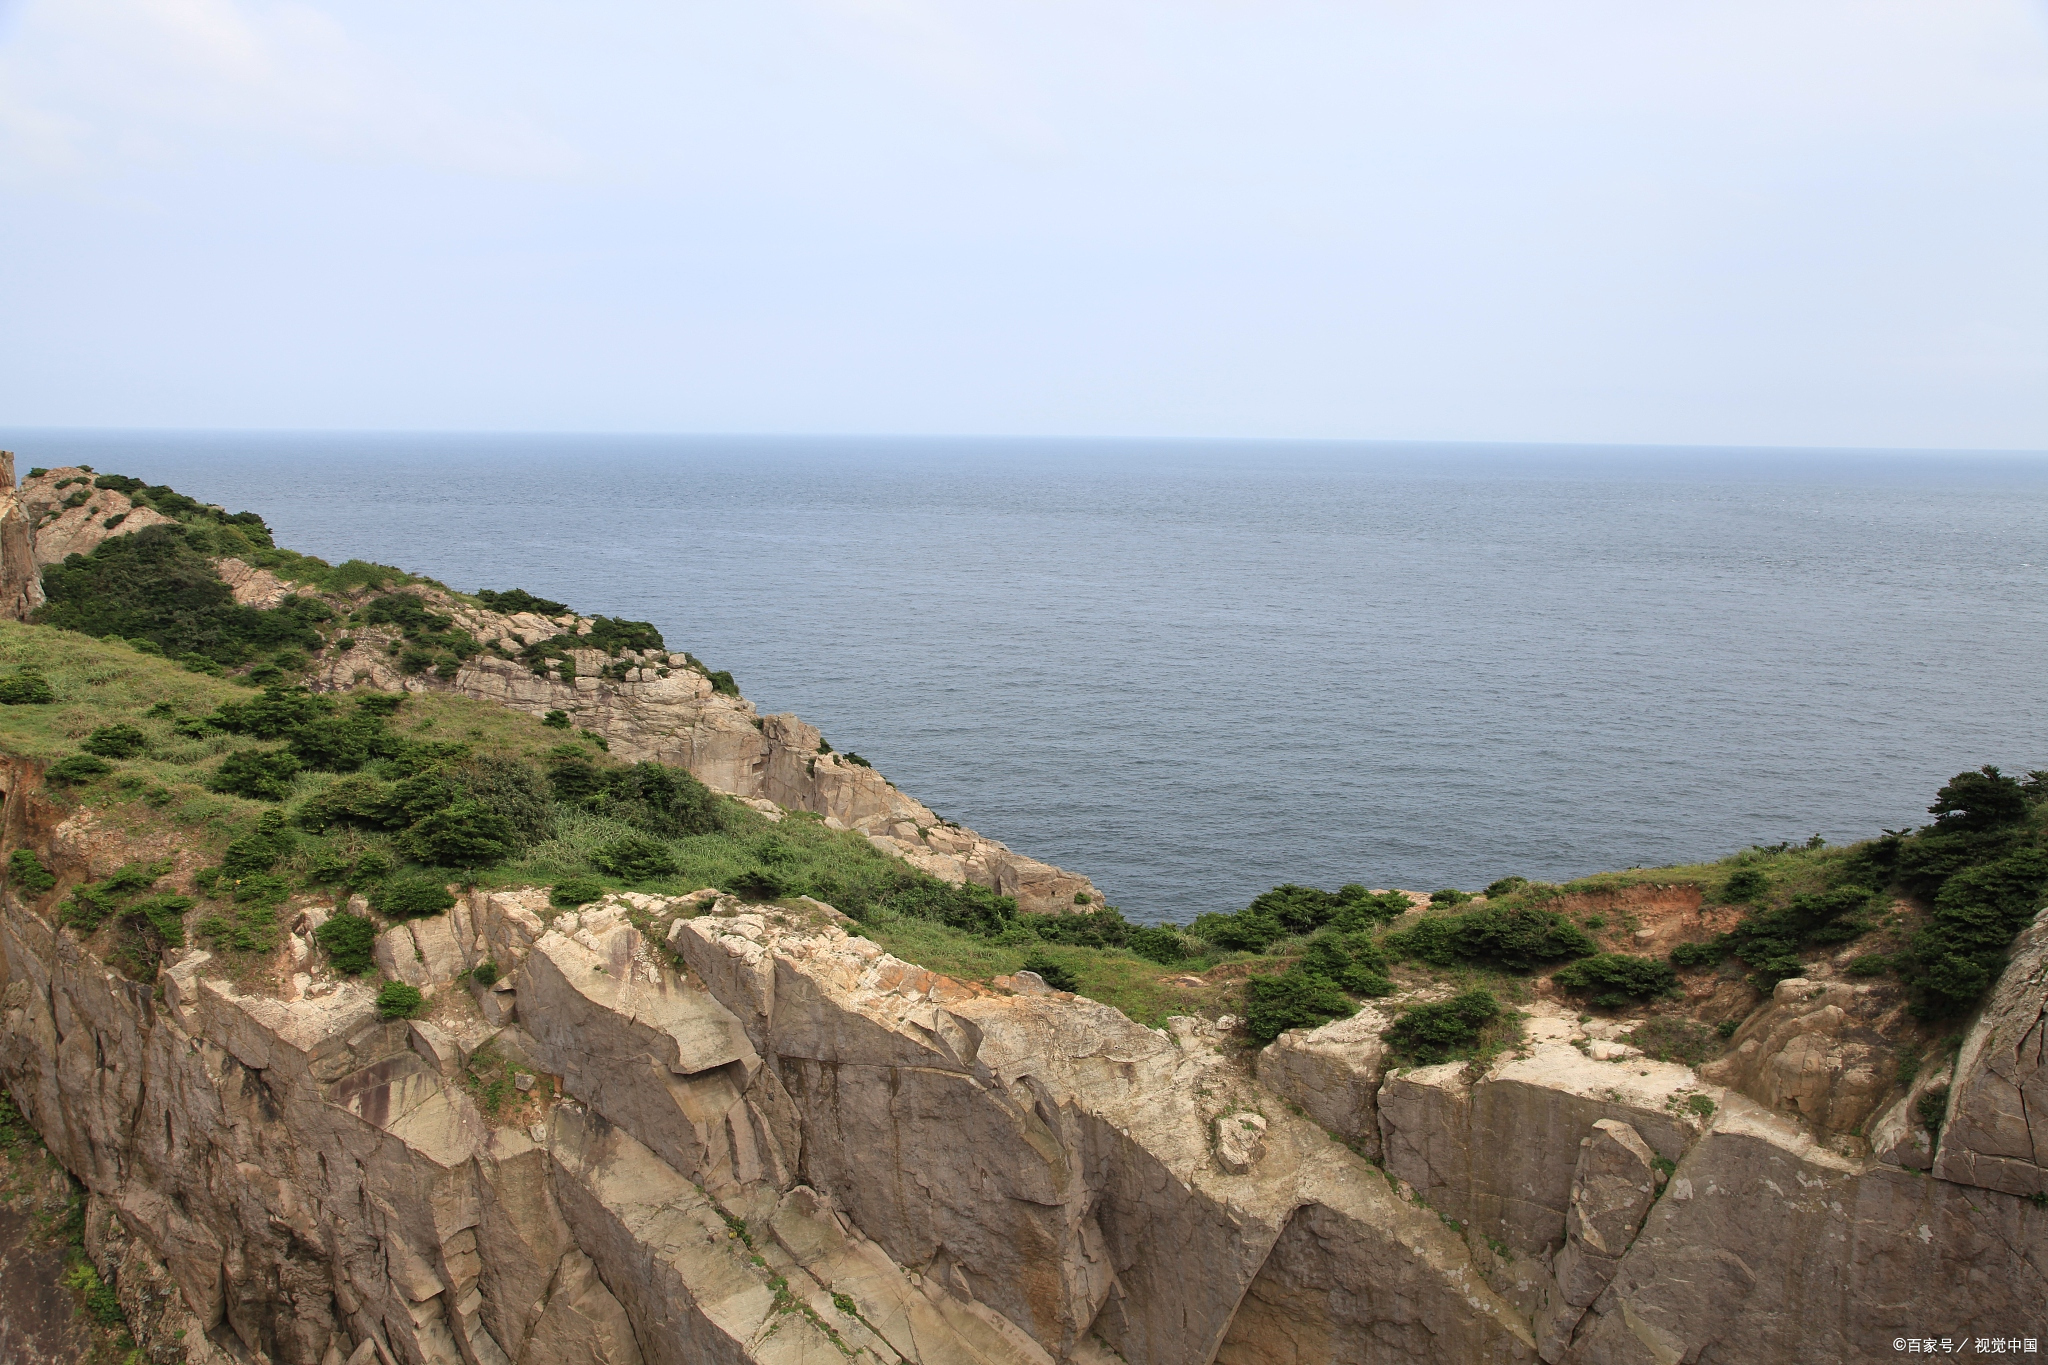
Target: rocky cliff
(687, 1128)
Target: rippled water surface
(1195, 670)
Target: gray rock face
(1996, 1132)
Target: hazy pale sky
(1739, 221)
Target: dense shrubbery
(116, 741)
(157, 586)
(1290, 910)
(517, 600)
(396, 1000)
(26, 687)
(1517, 938)
(147, 921)
(1981, 862)
(76, 770)
(1443, 1029)
(350, 941)
(1617, 979)
(28, 873)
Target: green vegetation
(350, 941)
(1443, 1029)
(28, 874)
(518, 600)
(158, 585)
(396, 1000)
(1512, 936)
(1982, 864)
(26, 687)
(1614, 980)
(1051, 972)
(1291, 909)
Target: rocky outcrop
(1995, 1133)
(21, 580)
(661, 707)
(1819, 1049)
(69, 516)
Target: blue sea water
(1194, 670)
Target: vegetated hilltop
(427, 976)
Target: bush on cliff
(75, 771)
(1290, 910)
(259, 774)
(116, 741)
(28, 874)
(155, 585)
(1614, 980)
(1516, 938)
(350, 941)
(635, 858)
(411, 897)
(1293, 999)
(396, 1000)
(1442, 1030)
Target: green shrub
(259, 774)
(411, 896)
(1615, 979)
(28, 873)
(76, 770)
(1051, 972)
(258, 850)
(635, 858)
(1449, 896)
(399, 1001)
(461, 835)
(1438, 1031)
(350, 941)
(26, 687)
(516, 600)
(1517, 938)
(556, 720)
(159, 585)
(1157, 943)
(1869, 964)
(116, 741)
(1698, 954)
(722, 683)
(1293, 999)
(1506, 886)
(484, 973)
(572, 891)
(1745, 884)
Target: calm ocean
(1193, 670)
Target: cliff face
(753, 1136)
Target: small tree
(399, 1001)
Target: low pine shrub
(116, 741)
(1052, 973)
(1293, 999)
(28, 874)
(396, 1000)
(259, 774)
(76, 770)
(350, 941)
(409, 897)
(572, 891)
(26, 687)
(635, 858)
(1616, 979)
(1443, 1029)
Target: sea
(1195, 670)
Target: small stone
(1240, 1141)
(522, 1081)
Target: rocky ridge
(648, 705)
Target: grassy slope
(163, 794)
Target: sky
(1756, 222)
